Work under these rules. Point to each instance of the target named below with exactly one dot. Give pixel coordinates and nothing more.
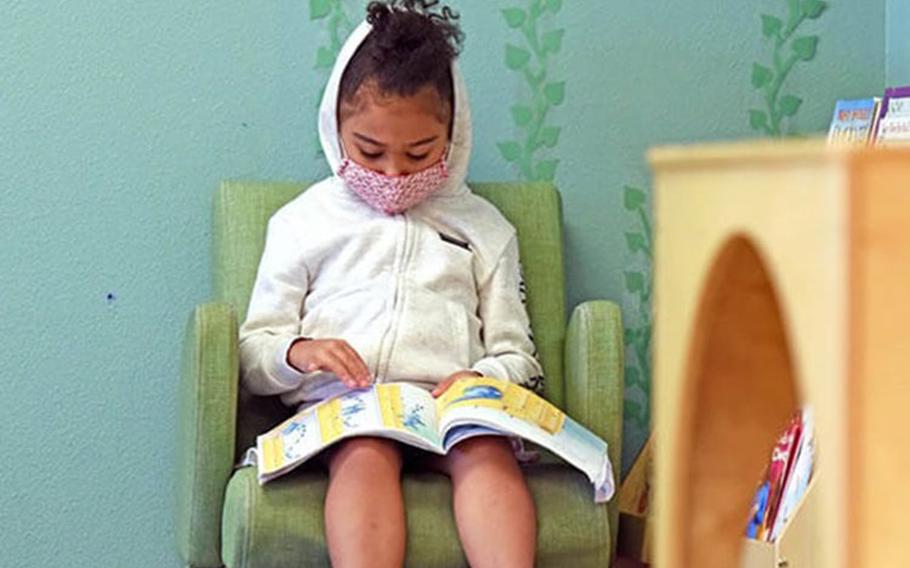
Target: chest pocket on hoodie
(444, 264)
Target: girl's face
(395, 135)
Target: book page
(507, 407)
(399, 411)
(409, 409)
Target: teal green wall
(898, 47)
(117, 123)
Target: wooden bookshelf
(782, 277)
(793, 548)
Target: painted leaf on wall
(516, 57)
(758, 119)
(789, 105)
(805, 47)
(515, 17)
(635, 281)
(813, 8)
(554, 5)
(320, 9)
(633, 198)
(325, 58)
(511, 151)
(522, 115)
(771, 25)
(761, 75)
(552, 41)
(555, 93)
(549, 136)
(636, 242)
(546, 170)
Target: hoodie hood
(460, 149)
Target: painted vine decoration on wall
(337, 24)
(334, 15)
(787, 51)
(638, 333)
(533, 60)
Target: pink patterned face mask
(393, 194)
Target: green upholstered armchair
(223, 517)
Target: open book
(472, 406)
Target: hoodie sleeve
(273, 318)
(507, 337)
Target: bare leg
(364, 510)
(494, 509)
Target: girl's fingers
(338, 357)
(355, 362)
(352, 363)
(337, 365)
(443, 386)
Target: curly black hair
(410, 47)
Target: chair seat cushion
(281, 524)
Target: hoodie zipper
(397, 293)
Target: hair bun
(409, 24)
(378, 14)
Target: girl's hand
(331, 355)
(447, 382)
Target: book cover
(800, 475)
(895, 126)
(781, 463)
(758, 511)
(853, 121)
(895, 103)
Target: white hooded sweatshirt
(419, 295)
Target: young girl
(392, 270)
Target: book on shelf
(854, 121)
(474, 406)
(894, 119)
(799, 476)
(872, 121)
(786, 479)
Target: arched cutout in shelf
(740, 391)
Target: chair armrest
(206, 429)
(595, 380)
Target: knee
(367, 455)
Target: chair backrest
(242, 210)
